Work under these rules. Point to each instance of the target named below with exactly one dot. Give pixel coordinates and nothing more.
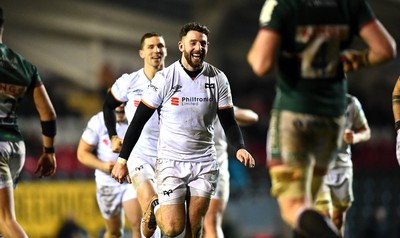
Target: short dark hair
(1, 17)
(193, 26)
(148, 35)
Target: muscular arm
(86, 157)
(381, 47)
(46, 113)
(261, 55)
(46, 166)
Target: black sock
(316, 225)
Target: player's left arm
(234, 135)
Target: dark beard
(190, 62)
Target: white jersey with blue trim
(188, 108)
(129, 88)
(96, 134)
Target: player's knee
(173, 228)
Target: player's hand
(245, 158)
(348, 136)
(398, 146)
(120, 172)
(107, 167)
(354, 60)
(46, 165)
(116, 144)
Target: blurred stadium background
(82, 46)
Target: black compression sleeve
(110, 103)
(231, 128)
(142, 115)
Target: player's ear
(180, 46)
(141, 54)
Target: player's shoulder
(97, 119)
(212, 71)
(17, 59)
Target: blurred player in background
(308, 42)
(215, 212)
(336, 195)
(114, 199)
(18, 79)
(396, 115)
(129, 88)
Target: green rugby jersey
(310, 76)
(17, 77)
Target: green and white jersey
(313, 35)
(355, 119)
(17, 77)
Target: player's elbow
(260, 68)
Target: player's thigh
(341, 183)
(298, 138)
(12, 159)
(109, 200)
(197, 209)
(223, 185)
(140, 170)
(130, 205)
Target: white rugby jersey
(188, 109)
(355, 119)
(221, 144)
(129, 88)
(96, 134)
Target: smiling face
(194, 48)
(153, 52)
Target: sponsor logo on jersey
(12, 90)
(136, 102)
(139, 168)
(210, 85)
(105, 141)
(154, 88)
(176, 89)
(189, 100)
(175, 101)
(168, 192)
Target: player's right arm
(110, 103)
(86, 157)
(142, 115)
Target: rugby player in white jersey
(336, 195)
(215, 212)
(114, 199)
(188, 95)
(129, 88)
